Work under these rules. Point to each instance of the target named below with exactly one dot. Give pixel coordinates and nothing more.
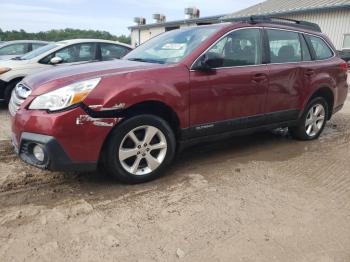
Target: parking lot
(264, 197)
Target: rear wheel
(139, 149)
(313, 120)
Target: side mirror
(55, 60)
(208, 63)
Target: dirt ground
(261, 198)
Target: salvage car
(182, 87)
(68, 52)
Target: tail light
(344, 66)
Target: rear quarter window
(322, 50)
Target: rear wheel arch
(327, 94)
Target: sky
(113, 16)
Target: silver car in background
(63, 53)
(12, 49)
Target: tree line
(62, 34)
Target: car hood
(61, 76)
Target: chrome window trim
(262, 27)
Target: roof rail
(283, 21)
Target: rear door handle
(258, 78)
(309, 72)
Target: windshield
(173, 46)
(38, 51)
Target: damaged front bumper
(71, 140)
(54, 156)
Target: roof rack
(283, 21)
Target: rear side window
(14, 49)
(322, 50)
(284, 46)
(110, 51)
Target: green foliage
(63, 34)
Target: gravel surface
(264, 197)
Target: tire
(313, 120)
(8, 90)
(128, 155)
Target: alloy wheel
(315, 120)
(142, 150)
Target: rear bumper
(56, 158)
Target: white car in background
(68, 52)
(11, 49)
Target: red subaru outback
(179, 88)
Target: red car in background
(182, 87)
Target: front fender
(168, 84)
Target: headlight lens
(4, 70)
(65, 96)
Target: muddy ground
(264, 197)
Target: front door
(231, 95)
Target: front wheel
(139, 149)
(313, 120)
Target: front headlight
(65, 96)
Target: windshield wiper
(146, 60)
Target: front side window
(284, 46)
(239, 48)
(322, 50)
(111, 51)
(74, 53)
(173, 46)
(14, 49)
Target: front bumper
(71, 139)
(55, 156)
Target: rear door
(289, 72)
(232, 95)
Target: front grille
(18, 97)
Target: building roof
(284, 7)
